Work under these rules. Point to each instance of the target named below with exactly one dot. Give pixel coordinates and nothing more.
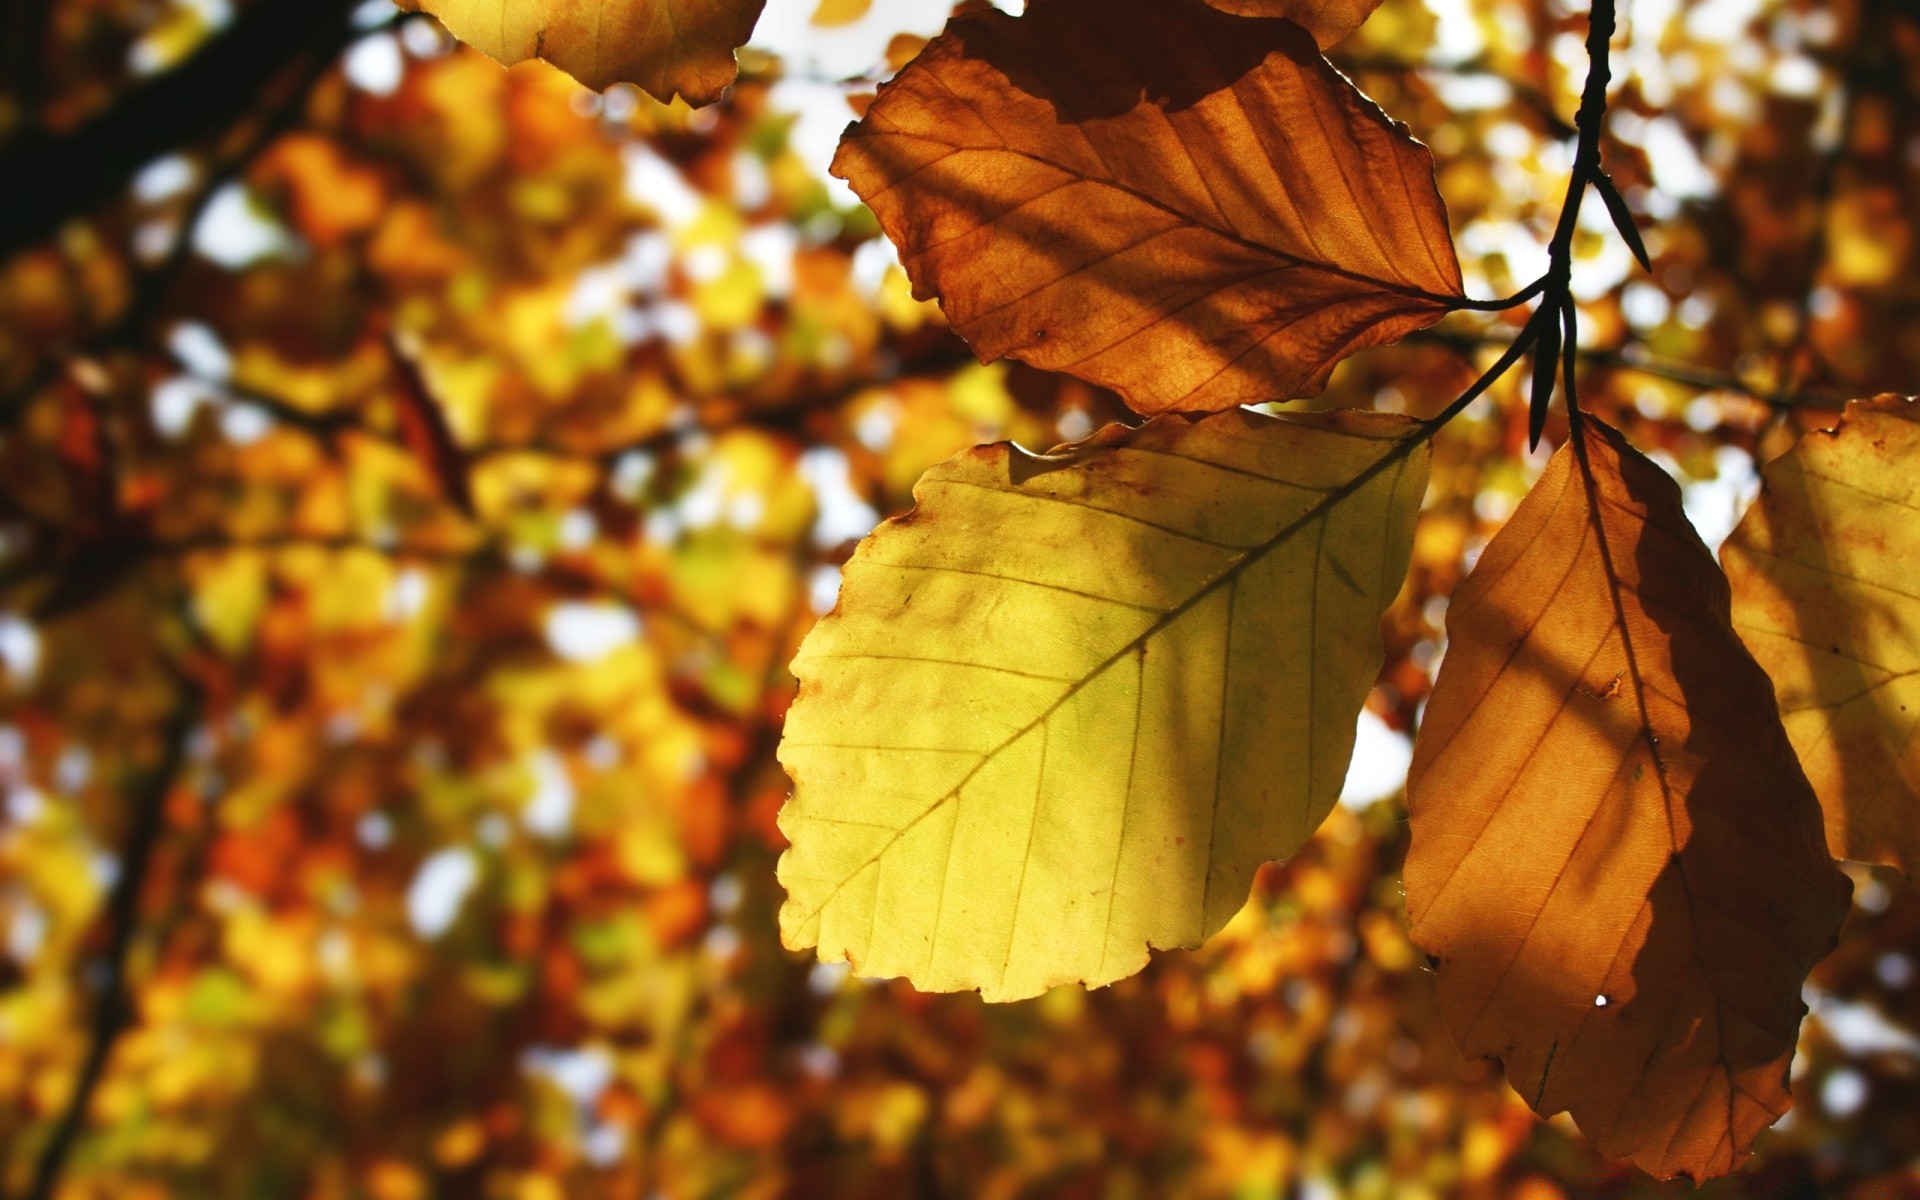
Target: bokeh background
(415, 477)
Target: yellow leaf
(1068, 704)
(1824, 572)
(1616, 863)
(831, 13)
(1193, 209)
(664, 46)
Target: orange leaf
(1328, 21)
(1616, 861)
(1191, 208)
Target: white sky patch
(752, 186)
(658, 185)
(373, 13)
(549, 810)
(1860, 1029)
(706, 501)
(242, 424)
(822, 115)
(583, 632)
(408, 594)
(1721, 21)
(373, 64)
(164, 178)
(200, 350)
(770, 249)
(1456, 36)
(823, 588)
(786, 27)
(598, 293)
(818, 59)
(440, 889)
(27, 932)
(1715, 505)
(871, 262)
(19, 647)
(582, 1074)
(175, 401)
(843, 514)
(1677, 167)
(1381, 757)
(235, 231)
(1464, 92)
(631, 474)
(1596, 274)
(646, 261)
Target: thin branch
(115, 1008)
(1632, 356)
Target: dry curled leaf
(1191, 208)
(663, 46)
(1068, 705)
(1824, 570)
(1329, 21)
(1616, 863)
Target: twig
(115, 1009)
(1632, 356)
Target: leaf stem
(1514, 301)
(1554, 325)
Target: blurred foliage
(445, 512)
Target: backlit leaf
(1068, 704)
(1826, 590)
(1327, 20)
(1191, 208)
(664, 46)
(1616, 862)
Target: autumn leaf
(830, 14)
(1068, 704)
(1823, 573)
(1329, 21)
(664, 46)
(424, 429)
(1616, 863)
(1191, 208)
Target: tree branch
(52, 177)
(115, 1010)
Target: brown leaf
(1616, 861)
(1191, 208)
(424, 428)
(664, 46)
(1329, 21)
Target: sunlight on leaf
(1191, 208)
(664, 46)
(1327, 20)
(1067, 705)
(1823, 573)
(1616, 863)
